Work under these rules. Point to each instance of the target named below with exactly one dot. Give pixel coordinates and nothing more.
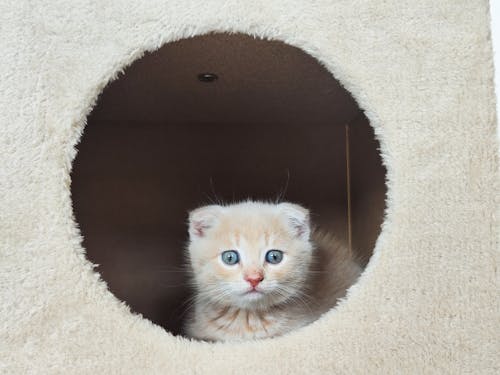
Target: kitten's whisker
(283, 191)
(169, 285)
(296, 295)
(187, 306)
(217, 199)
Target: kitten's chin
(251, 300)
(253, 295)
(255, 300)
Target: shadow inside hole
(160, 143)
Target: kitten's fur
(316, 270)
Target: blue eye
(230, 257)
(274, 256)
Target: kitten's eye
(274, 256)
(230, 257)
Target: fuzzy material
(422, 71)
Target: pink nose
(254, 279)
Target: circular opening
(216, 118)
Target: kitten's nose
(254, 278)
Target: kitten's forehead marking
(267, 238)
(235, 238)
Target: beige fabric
(422, 70)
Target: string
(348, 185)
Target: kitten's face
(250, 255)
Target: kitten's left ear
(203, 219)
(298, 219)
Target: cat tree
(421, 71)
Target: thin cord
(348, 179)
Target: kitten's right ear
(203, 219)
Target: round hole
(158, 144)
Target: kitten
(258, 271)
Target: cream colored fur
(422, 70)
(315, 271)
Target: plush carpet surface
(423, 73)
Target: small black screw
(207, 77)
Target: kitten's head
(249, 255)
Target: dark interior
(161, 142)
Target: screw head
(207, 77)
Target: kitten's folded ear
(202, 219)
(297, 218)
